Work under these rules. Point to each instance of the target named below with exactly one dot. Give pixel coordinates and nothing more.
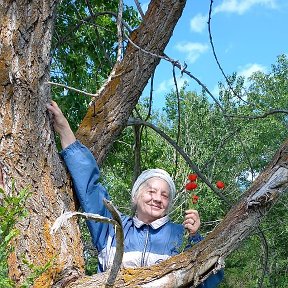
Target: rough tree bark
(27, 149)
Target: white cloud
(198, 23)
(249, 69)
(167, 85)
(193, 50)
(241, 6)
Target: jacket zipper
(145, 247)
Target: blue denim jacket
(144, 245)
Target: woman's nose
(157, 197)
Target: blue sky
(248, 35)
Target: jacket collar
(155, 224)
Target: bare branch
(150, 96)
(178, 116)
(119, 245)
(132, 121)
(139, 8)
(71, 88)
(181, 67)
(116, 221)
(216, 58)
(137, 148)
(119, 30)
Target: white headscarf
(147, 174)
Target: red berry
(220, 184)
(191, 186)
(195, 199)
(192, 177)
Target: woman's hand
(192, 221)
(61, 125)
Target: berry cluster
(191, 185)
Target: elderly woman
(149, 236)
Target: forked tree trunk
(28, 153)
(27, 149)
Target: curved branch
(181, 67)
(119, 244)
(216, 58)
(133, 121)
(116, 221)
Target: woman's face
(152, 200)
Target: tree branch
(116, 221)
(216, 58)
(195, 168)
(139, 8)
(180, 66)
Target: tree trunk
(108, 115)
(27, 150)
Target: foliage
(84, 50)
(12, 210)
